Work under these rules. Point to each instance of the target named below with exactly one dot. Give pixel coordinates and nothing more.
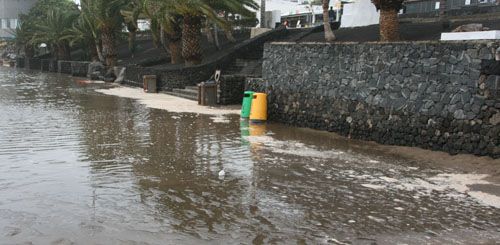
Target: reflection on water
(78, 166)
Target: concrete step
(186, 92)
(183, 95)
(192, 88)
(245, 67)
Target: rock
(96, 69)
(455, 99)
(120, 74)
(470, 27)
(109, 76)
(459, 114)
(495, 119)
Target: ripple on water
(79, 166)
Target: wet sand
(168, 102)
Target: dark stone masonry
(423, 94)
(231, 89)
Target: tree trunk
(263, 14)
(60, 52)
(109, 46)
(156, 34)
(208, 32)
(63, 52)
(131, 42)
(229, 35)
(175, 48)
(329, 36)
(216, 36)
(67, 51)
(191, 49)
(172, 41)
(389, 25)
(29, 51)
(98, 48)
(442, 7)
(94, 55)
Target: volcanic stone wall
(180, 77)
(230, 89)
(424, 94)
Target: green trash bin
(247, 104)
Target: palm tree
(22, 35)
(389, 23)
(131, 14)
(107, 16)
(52, 29)
(329, 36)
(166, 27)
(84, 34)
(194, 11)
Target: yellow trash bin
(259, 107)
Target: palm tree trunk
(229, 35)
(109, 46)
(98, 49)
(60, 52)
(29, 51)
(216, 36)
(175, 48)
(442, 7)
(208, 32)
(263, 14)
(228, 31)
(329, 36)
(131, 42)
(63, 52)
(191, 49)
(389, 25)
(67, 51)
(94, 55)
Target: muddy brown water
(79, 167)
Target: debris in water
(222, 174)
(371, 186)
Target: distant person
(332, 15)
(285, 24)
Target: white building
(9, 15)
(354, 12)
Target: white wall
(9, 12)
(360, 13)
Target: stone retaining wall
(64, 67)
(79, 68)
(74, 68)
(33, 64)
(231, 90)
(20, 62)
(422, 94)
(180, 77)
(49, 65)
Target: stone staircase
(190, 93)
(249, 64)
(245, 67)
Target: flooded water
(81, 167)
